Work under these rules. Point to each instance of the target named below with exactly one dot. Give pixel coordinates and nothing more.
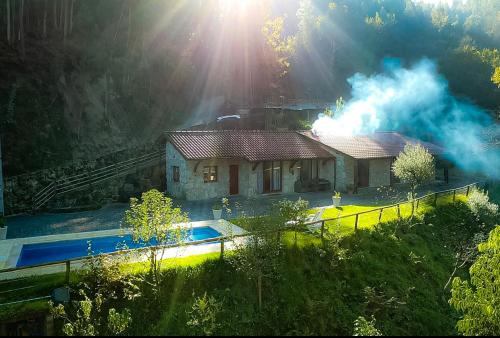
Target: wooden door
(234, 182)
(363, 173)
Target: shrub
(480, 205)
(87, 318)
(102, 274)
(203, 315)
(363, 327)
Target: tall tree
(8, 23)
(44, 23)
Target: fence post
(322, 229)
(356, 223)
(454, 195)
(380, 215)
(68, 272)
(399, 211)
(467, 193)
(222, 248)
(435, 199)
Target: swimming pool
(42, 253)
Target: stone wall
(20, 190)
(344, 173)
(380, 172)
(191, 185)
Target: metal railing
(95, 176)
(433, 197)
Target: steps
(93, 177)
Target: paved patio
(110, 217)
(10, 250)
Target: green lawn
(346, 224)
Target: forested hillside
(82, 78)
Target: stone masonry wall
(380, 172)
(191, 185)
(20, 190)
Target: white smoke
(416, 101)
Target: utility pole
(2, 210)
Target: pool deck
(10, 249)
(110, 217)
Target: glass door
(272, 177)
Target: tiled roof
(376, 145)
(252, 145)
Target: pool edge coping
(14, 246)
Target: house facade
(213, 164)
(367, 159)
(210, 164)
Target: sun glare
(233, 5)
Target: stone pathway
(110, 217)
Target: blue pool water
(35, 254)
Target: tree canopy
(478, 300)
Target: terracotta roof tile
(252, 145)
(376, 145)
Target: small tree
(293, 214)
(415, 166)
(479, 299)
(257, 256)
(156, 223)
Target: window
(210, 174)
(272, 176)
(309, 170)
(176, 174)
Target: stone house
(366, 160)
(210, 164)
(213, 164)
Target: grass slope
(395, 272)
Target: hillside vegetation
(82, 78)
(396, 273)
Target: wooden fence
(415, 204)
(223, 239)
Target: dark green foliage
(478, 299)
(395, 273)
(127, 71)
(205, 316)
(92, 310)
